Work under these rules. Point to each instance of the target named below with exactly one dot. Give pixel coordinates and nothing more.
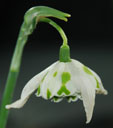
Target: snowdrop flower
(66, 78)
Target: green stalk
(31, 18)
(57, 27)
(12, 77)
(64, 53)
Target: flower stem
(58, 28)
(11, 81)
(64, 54)
(31, 18)
(12, 76)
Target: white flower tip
(89, 116)
(10, 106)
(18, 104)
(7, 106)
(88, 121)
(105, 92)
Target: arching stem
(64, 53)
(58, 28)
(31, 18)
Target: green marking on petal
(54, 75)
(63, 89)
(65, 77)
(48, 93)
(97, 83)
(73, 97)
(90, 73)
(44, 77)
(55, 98)
(38, 91)
(87, 70)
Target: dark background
(89, 32)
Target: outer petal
(97, 83)
(85, 84)
(29, 88)
(88, 96)
(101, 88)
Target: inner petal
(52, 81)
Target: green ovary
(65, 78)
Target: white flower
(72, 80)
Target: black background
(90, 21)
(89, 32)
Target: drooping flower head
(66, 78)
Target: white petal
(29, 88)
(86, 86)
(17, 104)
(93, 77)
(88, 96)
(52, 83)
(101, 88)
(74, 73)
